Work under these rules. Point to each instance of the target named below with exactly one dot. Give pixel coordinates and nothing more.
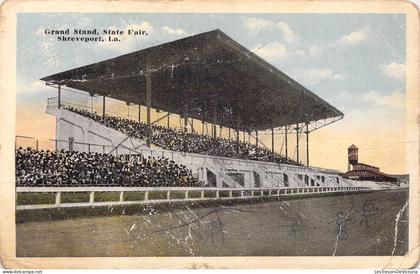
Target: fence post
(168, 195)
(202, 194)
(186, 194)
(230, 194)
(242, 193)
(58, 198)
(121, 196)
(217, 194)
(146, 196)
(92, 197)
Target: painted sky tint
(355, 62)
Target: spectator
(175, 140)
(65, 168)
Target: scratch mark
(397, 220)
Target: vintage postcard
(187, 134)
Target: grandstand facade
(207, 77)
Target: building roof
(207, 71)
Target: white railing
(171, 194)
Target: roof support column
(229, 134)
(148, 102)
(103, 107)
(256, 137)
(139, 117)
(285, 139)
(186, 118)
(272, 139)
(297, 143)
(59, 96)
(307, 145)
(167, 120)
(244, 137)
(237, 131)
(214, 119)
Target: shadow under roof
(208, 71)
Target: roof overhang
(217, 78)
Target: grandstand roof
(205, 70)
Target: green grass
(210, 194)
(224, 193)
(35, 198)
(107, 196)
(157, 195)
(74, 197)
(177, 194)
(134, 196)
(194, 194)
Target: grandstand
(207, 77)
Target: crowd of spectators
(176, 140)
(73, 169)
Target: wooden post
(167, 122)
(297, 143)
(148, 101)
(285, 140)
(238, 122)
(139, 118)
(186, 118)
(103, 107)
(214, 119)
(272, 139)
(256, 137)
(307, 145)
(58, 198)
(59, 96)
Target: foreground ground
(372, 223)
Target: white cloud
(317, 75)
(354, 37)
(258, 24)
(394, 70)
(395, 100)
(274, 50)
(177, 31)
(288, 34)
(314, 51)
